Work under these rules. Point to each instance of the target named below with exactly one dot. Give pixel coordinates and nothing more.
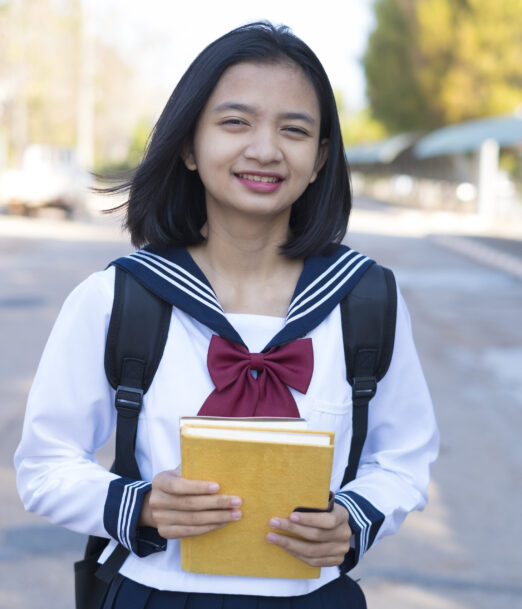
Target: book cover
(273, 471)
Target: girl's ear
(187, 154)
(322, 155)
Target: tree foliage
(357, 126)
(434, 62)
(361, 127)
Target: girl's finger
(199, 519)
(322, 520)
(179, 531)
(300, 546)
(311, 533)
(170, 482)
(323, 561)
(166, 501)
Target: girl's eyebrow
(304, 116)
(299, 116)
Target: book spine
(184, 542)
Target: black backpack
(136, 339)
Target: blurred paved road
(463, 552)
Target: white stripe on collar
(360, 258)
(192, 292)
(177, 267)
(293, 307)
(316, 281)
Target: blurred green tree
(429, 63)
(138, 142)
(357, 125)
(361, 127)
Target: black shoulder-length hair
(166, 202)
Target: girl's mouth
(260, 183)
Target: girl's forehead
(262, 84)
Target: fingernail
(294, 517)
(275, 523)
(213, 487)
(271, 537)
(235, 501)
(236, 515)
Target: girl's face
(256, 145)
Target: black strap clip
(128, 400)
(364, 387)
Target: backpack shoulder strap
(368, 316)
(136, 339)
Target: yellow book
(250, 422)
(273, 471)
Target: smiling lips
(260, 182)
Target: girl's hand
(179, 507)
(324, 537)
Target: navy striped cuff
(121, 515)
(365, 520)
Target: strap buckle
(128, 399)
(364, 387)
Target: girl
(241, 202)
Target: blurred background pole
(488, 158)
(17, 38)
(3, 125)
(85, 102)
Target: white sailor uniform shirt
(70, 414)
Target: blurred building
(456, 167)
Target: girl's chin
(260, 210)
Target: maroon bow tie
(239, 394)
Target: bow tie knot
(257, 361)
(239, 394)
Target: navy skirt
(342, 592)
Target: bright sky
(163, 36)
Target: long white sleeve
(401, 444)
(70, 415)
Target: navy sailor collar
(173, 275)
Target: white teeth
(254, 178)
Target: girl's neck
(239, 247)
(242, 261)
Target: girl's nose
(264, 148)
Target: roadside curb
(480, 253)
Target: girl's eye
(296, 130)
(233, 122)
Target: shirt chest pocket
(336, 417)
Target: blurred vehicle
(48, 177)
